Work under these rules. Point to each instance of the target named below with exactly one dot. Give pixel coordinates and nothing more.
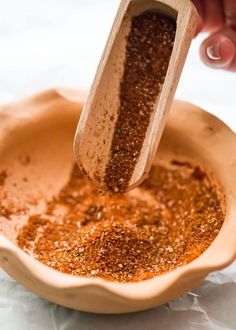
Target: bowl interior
(36, 159)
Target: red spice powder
(166, 222)
(148, 51)
(3, 176)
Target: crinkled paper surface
(210, 306)
(58, 43)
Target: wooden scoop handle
(97, 124)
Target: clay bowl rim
(221, 141)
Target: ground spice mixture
(148, 50)
(3, 176)
(166, 222)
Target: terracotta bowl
(36, 152)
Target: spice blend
(148, 51)
(166, 222)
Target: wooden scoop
(94, 135)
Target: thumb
(219, 50)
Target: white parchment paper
(209, 306)
(58, 43)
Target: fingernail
(221, 52)
(213, 52)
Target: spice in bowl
(167, 222)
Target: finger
(213, 15)
(230, 13)
(219, 50)
(200, 9)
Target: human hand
(218, 18)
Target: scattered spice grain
(3, 176)
(148, 51)
(166, 222)
(5, 212)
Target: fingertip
(199, 7)
(199, 26)
(218, 51)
